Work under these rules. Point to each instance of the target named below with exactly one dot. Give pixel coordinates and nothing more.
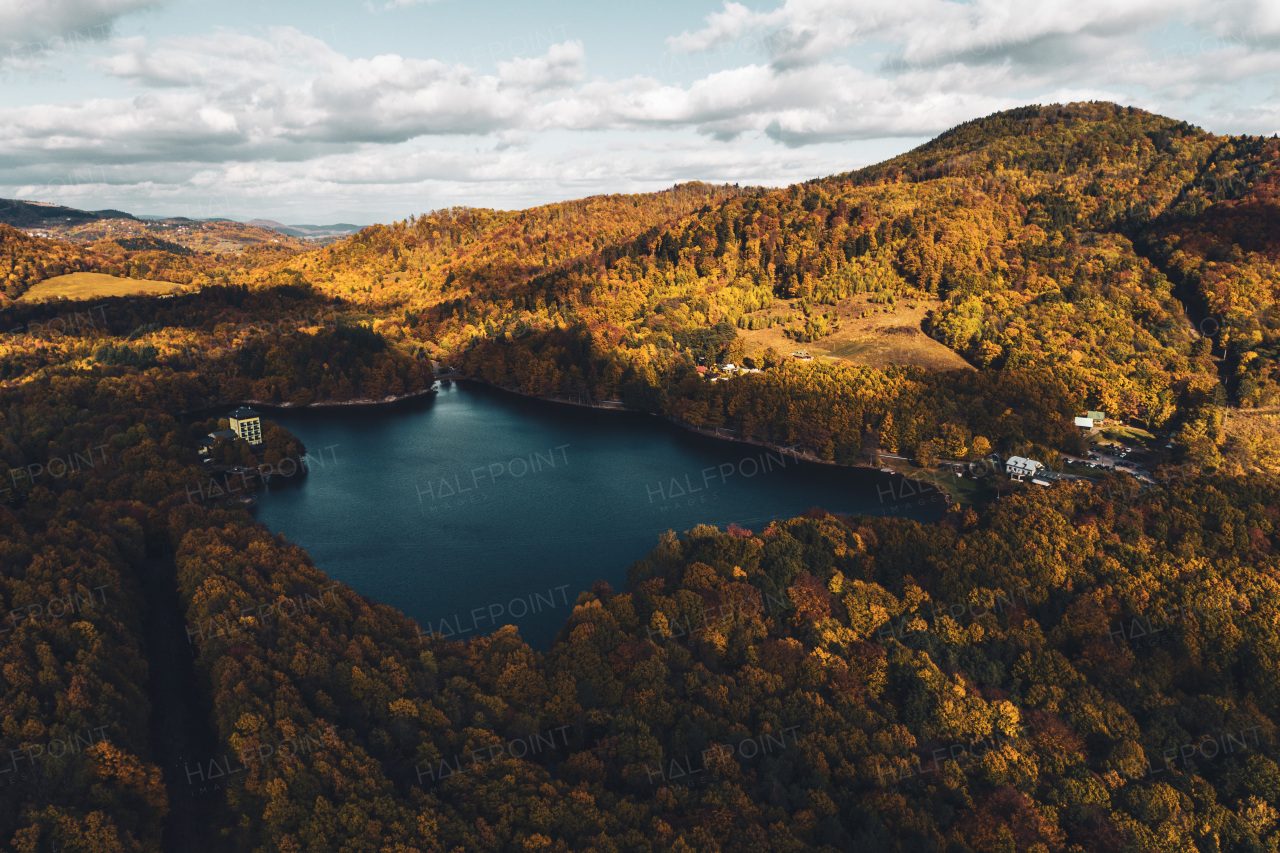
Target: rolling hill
(311, 232)
(35, 214)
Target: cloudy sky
(369, 110)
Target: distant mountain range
(37, 214)
(342, 229)
(30, 214)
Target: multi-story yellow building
(247, 425)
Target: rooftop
(244, 413)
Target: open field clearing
(1129, 435)
(885, 336)
(94, 285)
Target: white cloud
(937, 32)
(723, 27)
(36, 25)
(1262, 120)
(286, 96)
(404, 4)
(431, 173)
(282, 112)
(562, 65)
(806, 31)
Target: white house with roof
(1020, 467)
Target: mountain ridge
(37, 214)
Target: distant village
(1123, 459)
(728, 370)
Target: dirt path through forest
(182, 732)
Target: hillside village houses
(1090, 419)
(729, 370)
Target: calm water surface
(478, 508)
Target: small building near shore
(1084, 423)
(213, 439)
(247, 424)
(1019, 467)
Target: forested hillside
(27, 260)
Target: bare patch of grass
(94, 285)
(870, 334)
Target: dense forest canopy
(1092, 667)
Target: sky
(367, 111)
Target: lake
(476, 508)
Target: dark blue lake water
(478, 508)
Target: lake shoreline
(331, 404)
(805, 456)
(480, 500)
(920, 487)
(213, 408)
